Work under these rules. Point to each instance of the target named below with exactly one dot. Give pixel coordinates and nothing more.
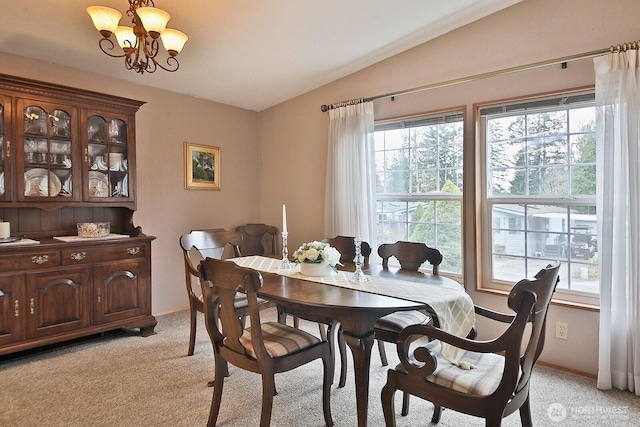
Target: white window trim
(485, 281)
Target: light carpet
(127, 380)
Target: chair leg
(342, 346)
(493, 420)
(383, 354)
(221, 366)
(525, 414)
(193, 314)
(437, 413)
(268, 390)
(405, 404)
(328, 362)
(323, 332)
(388, 405)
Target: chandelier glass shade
(140, 43)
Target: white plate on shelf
(39, 182)
(125, 186)
(98, 184)
(1, 183)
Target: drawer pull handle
(39, 259)
(133, 251)
(99, 295)
(77, 256)
(16, 308)
(8, 154)
(32, 306)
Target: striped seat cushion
(279, 339)
(482, 380)
(395, 322)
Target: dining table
(357, 305)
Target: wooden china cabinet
(68, 156)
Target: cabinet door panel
(57, 301)
(11, 309)
(122, 290)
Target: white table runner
(454, 308)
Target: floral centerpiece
(317, 253)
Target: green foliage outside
(429, 162)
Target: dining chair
(498, 384)
(410, 255)
(347, 248)
(258, 239)
(197, 245)
(266, 348)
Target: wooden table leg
(361, 350)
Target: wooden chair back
(258, 239)
(543, 287)
(347, 248)
(224, 280)
(411, 255)
(197, 245)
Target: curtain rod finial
(324, 108)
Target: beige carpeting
(126, 380)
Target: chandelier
(140, 44)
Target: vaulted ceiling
(251, 54)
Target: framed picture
(201, 167)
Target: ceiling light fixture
(140, 42)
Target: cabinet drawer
(30, 261)
(100, 254)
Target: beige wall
(165, 209)
(295, 132)
(278, 155)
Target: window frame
(449, 115)
(485, 281)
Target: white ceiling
(248, 53)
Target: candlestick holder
(358, 275)
(285, 264)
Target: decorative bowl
(94, 229)
(315, 269)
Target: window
(419, 183)
(540, 191)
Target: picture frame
(201, 166)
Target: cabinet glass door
(107, 158)
(48, 154)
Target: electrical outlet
(562, 330)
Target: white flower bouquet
(317, 253)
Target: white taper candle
(284, 218)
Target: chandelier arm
(110, 46)
(151, 49)
(171, 61)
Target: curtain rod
(618, 48)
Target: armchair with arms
(498, 384)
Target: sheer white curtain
(618, 208)
(350, 191)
